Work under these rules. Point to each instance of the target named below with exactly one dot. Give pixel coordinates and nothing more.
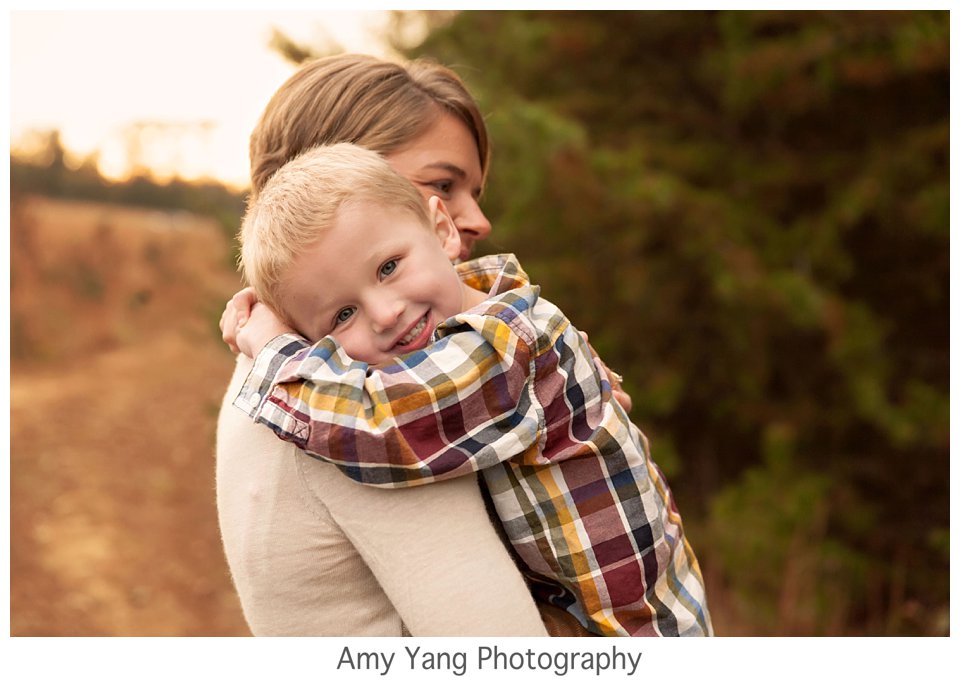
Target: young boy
(422, 370)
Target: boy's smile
(378, 280)
(418, 336)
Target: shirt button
(255, 399)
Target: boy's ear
(444, 227)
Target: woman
(311, 552)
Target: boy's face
(378, 280)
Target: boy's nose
(384, 314)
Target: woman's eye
(345, 315)
(443, 186)
(388, 268)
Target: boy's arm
(464, 403)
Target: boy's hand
(235, 315)
(616, 386)
(262, 325)
(621, 396)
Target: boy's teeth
(414, 333)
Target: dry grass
(117, 374)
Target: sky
(203, 76)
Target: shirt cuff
(266, 368)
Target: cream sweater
(313, 553)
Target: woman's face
(444, 162)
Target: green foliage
(748, 212)
(770, 530)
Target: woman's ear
(444, 227)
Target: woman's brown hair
(360, 99)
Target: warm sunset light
(217, 378)
(174, 92)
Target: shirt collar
(493, 274)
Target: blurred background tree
(43, 169)
(749, 214)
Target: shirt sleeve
(464, 403)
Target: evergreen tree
(748, 212)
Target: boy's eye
(345, 315)
(388, 268)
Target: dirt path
(113, 517)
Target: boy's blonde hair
(302, 199)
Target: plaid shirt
(508, 388)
